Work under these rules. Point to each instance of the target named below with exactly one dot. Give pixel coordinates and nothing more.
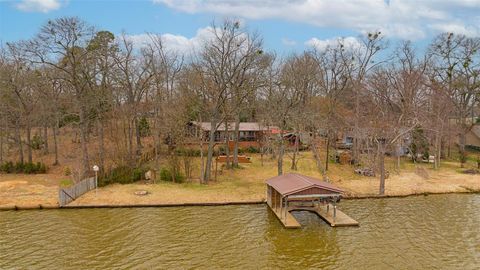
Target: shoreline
(223, 203)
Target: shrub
(419, 144)
(67, 171)
(41, 167)
(252, 150)
(166, 175)
(138, 174)
(7, 167)
(121, 175)
(29, 168)
(222, 150)
(37, 142)
(473, 148)
(144, 127)
(19, 167)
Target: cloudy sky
(286, 25)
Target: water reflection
(431, 232)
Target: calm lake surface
(424, 232)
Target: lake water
(424, 232)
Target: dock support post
(281, 206)
(334, 210)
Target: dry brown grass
(248, 184)
(243, 184)
(29, 190)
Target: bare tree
(61, 44)
(221, 63)
(135, 80)
(360, 61)
(456, 61)
(165, 65)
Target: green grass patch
(66, 183)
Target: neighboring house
(473, 136)
(250, 133)
(304, 138)
(345, 141)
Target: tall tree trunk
(29, 143)
(45, 138)
(437, 146)
(202, 161)
(381, 160)
(236, 139)
(156, 139)
(102, 145)
(211, 144)
(19, 142)
(398, 154)
(328, 151)
(138, 137)
(130, 141)
(461, 144)
(1, 148)
(295, 152)
(55, 141)
(356, 130)
(83, 141)
(318, 161)
(227, 145)
(281, 152)
(449, 143)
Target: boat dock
(295, 192)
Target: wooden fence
(67, 195)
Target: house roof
(244, 126)
(476, 130)
(288, 184)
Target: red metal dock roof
(288, 184)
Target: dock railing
(69, 194)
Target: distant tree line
(112, 94)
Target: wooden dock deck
(290, 222)
(340, 220)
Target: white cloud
(319, 44)
(410, 19)
(38, 5)
(288, 42)
(458, 28)
(174, 42)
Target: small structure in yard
(296, 192)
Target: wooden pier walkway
(340, 219)
(290, 222)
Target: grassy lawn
(248, 183)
